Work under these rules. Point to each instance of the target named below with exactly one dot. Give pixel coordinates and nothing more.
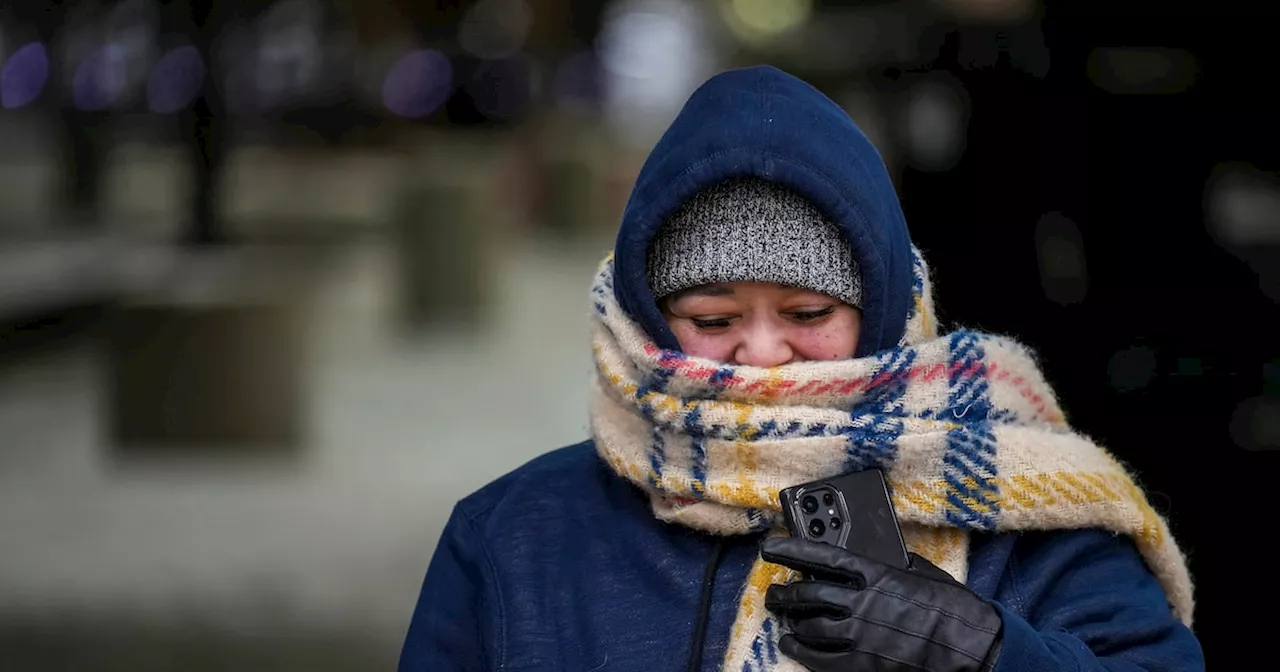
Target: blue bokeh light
(578, 82)
(418, 84)
(176, 80)
(24, 76)
(99, 80)
(504, 88)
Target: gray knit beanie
(752, 230)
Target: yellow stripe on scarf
(926, 327)
(1034, 492)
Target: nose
(763, 346)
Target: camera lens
(816, 528)
(828, 499)
(834, 523)
(809, 504)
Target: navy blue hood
(761, 122)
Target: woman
(765, 321)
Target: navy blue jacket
(561, 565)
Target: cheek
(827, 342)
(718, 347)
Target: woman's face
(762, 324)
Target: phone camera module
(817, 528)
(810, 503)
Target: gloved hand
(853, 613)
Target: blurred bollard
(215, 359)
(571, 202)
(447, 223)
(441, 251)
(578, 159)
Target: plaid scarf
(969, 434)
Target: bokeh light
(1255, 423)
(1142, 71)
(577, 82)
(1132, 368)
(495, 29)
(1242, 206)
(175, 81)
(503, 89)
(24, 76)
(761, 21)
(418, 84)
(653, 54)
(937, 123)
(1064, 274)
(100, 79)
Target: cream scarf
(969, 434)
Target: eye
(717, 323)
(810, 315)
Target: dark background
(1131, 171)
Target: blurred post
(213, 357)
(579, 157)
(79, 132)
(440, 254)
(205, 127)
(445, 222)
(572, 187)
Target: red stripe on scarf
(677, 363)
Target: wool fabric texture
(969, 433)
(752, 230)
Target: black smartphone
(852, 511)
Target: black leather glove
(856, 614)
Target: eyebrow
(705, 290)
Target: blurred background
(282, 280)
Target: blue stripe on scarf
(816, 429)
(972, 500)
(969, 463)
(720, 377)
(891, 379)
(698, 448)
(657, 458)
(917, 282)
(763, 649)
(871, 441)
(867, 427)
(976, 461)
(657, 382)
(756, 653)
(602, 294)
(968, 399)
(770, 648)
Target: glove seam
(931, 607)
(891, 658)
(979, 658)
